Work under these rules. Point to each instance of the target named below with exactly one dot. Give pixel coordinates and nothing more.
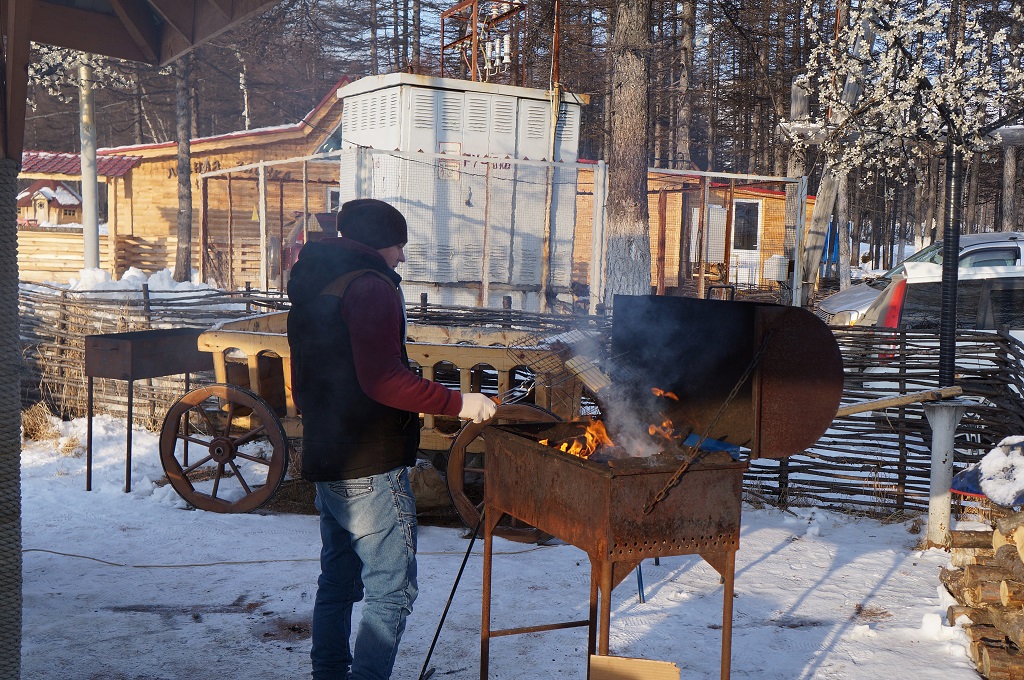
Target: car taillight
(890, 318)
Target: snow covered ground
(136, 586)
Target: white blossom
(916, 90)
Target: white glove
(477, 407)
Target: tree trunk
(971, 223)
(931, 197)
(629, 241)
(183, 259)
(940, 200)
(137, 108)
(1009, 221)
(416, 10)
(243, 85)
(688, 23)
(374, 59)
(843, 222)
(920, 210)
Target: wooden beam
(209, 23)
(224, 7)
(180, 16)
(138, 20)
(17, 20)
(86, 31)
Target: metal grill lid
(783, 362)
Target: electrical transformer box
(487, 185)
(405, 112)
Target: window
(69, 212)
(333, 199)
(923, 304)
(745, 226)
(1006, 305)
(990, 257)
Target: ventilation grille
(451, 113)
(504, 116)
(423, 110)
(536, 122)
(476, 114)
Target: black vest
(346, 434)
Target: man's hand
(477, 407)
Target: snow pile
(161, 281)
(1002, 472)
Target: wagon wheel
(465, 482)
(223, 449)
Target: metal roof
(48, 163)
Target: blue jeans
(368, 528)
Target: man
(360, 405)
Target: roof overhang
(151, 31)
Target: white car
(987, 298)
(848, 306)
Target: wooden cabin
(49, 203)
(142, 210)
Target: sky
(137, 586)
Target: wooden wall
(54, 256)
(147, 204)
(680, 195)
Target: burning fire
(596, 436)
(593, 437)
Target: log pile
(986, 576)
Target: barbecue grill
(765, 378)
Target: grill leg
(592, 631)
(606, 607)
(485, 616)
(727, 595)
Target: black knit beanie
(373, 223)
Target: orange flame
(662, 393)
(593, 437)
(664, 430)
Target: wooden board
(622, 668)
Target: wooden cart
(226, 447)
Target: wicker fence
(55, 321)
(878, 462)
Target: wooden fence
(878, 462)
(56, 256)
(55, 321)
(52, 255)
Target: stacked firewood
(986, 577)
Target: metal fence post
(943, 416)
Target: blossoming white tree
(907, 81)
(926, 77)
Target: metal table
(139, 355)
